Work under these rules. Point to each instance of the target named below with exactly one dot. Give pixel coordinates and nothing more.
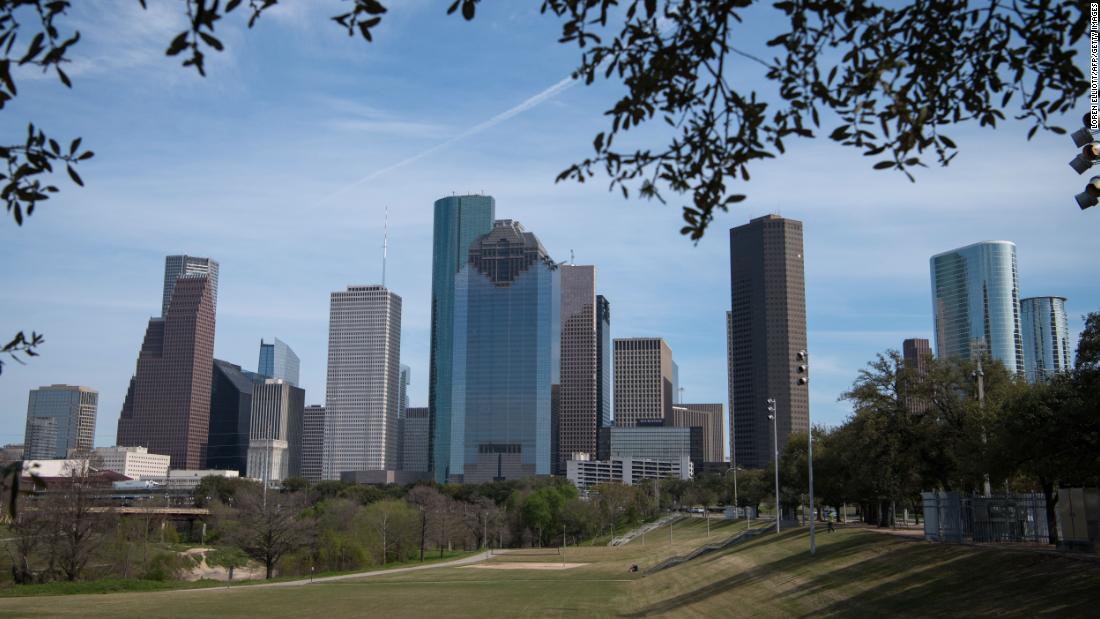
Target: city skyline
(867, 283)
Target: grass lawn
(856, 572)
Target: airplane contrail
(525, 105)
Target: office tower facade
(167, 408)
(603, 362)
(707, 417)
(459, 220)
(60, 419)
(403, 390)
(1046, 338)
(653, 442)
(277, 360)
(230, 417)
(643, 380)
(976, 303)
(506, 357)
(176, 267)
(917, 356)
(313, 443)
(578, 393)
(362, 390)
(274, 433)
(133, 462)
(414, 445)
(767, 329)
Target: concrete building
(176, 267)
(60, 419)
(277, 360)
(186, 480)
(1048, 345)
(585, 473)
(414, 446)
(578, 391)
(767, 329)
(313, 443)
(363, 387)
(12, 452)
(133, 462)
(459, 220)
(976, 303)
(643, 380)
(506, 351)
(167, 407)
(274, 436)
(708, 417)
(654, 442)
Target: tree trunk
(1051, 499)
(269, 565)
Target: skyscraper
(505, 358)
(976, 303)
(274, 435)
(578, 403)
(917, 354)
(176, 267)
(414, 446)
(1046, 339)
(362, 390)
(643, 380)
(277, 360)
(313, 443)
(167, 408)
(708, 417)
(767, 329)
(60, 418)
(403, 398)
(458, 221)
(230, 417)
(603, 361)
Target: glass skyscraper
(458, 221)
(1046, 337)
(976, 303)
(60, 418)
(277, 360)
(505, 358)
(179, 266)
(603, 361)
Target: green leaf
(73, 175)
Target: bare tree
(264, 529)
(74, 526)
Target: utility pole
(775, 442)
(802, 362)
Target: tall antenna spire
(385, 244)
(571, 260)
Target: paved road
(397, 570)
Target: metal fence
(954, 517)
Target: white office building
(133, 462)
(585, 473)
(364, 378)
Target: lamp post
(802, 362)
(775, 442)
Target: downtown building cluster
(524, 378)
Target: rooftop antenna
(385, 244)
(572, 262)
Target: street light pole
(803, 369)
(775, 442)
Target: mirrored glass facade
(506, 355)
(603, 361)
(976, 303)
(458, 221)
(1047, 346)
(277, 360)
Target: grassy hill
(855, 573)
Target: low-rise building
(585, 473)
(133, 462)
(188, 479)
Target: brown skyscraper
(705, 416)
(578, 415)
(767, 329)
(167, 408)
(917, 353)
(643, 381)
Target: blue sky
(280, 163)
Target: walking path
(645, 528)
(396, 570)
